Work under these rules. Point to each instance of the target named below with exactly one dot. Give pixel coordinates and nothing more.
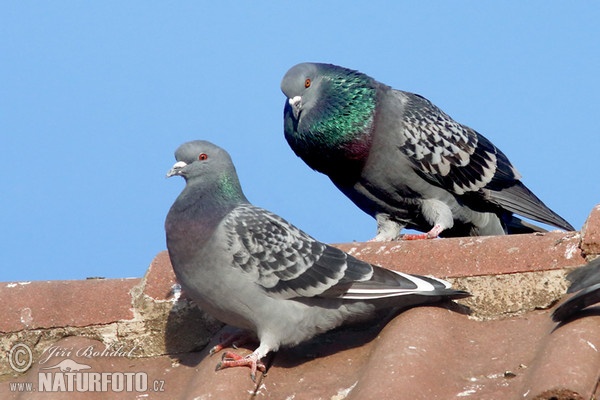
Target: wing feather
(459, 159)
(287, 263)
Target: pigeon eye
(202, 157)
(307, 83)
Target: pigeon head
(207, 167)
(301, 85)
(327, 87)
(329, 108)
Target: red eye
(202, 157)
(307, 83)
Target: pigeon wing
(464, 162)
(287, 263)
(449, 154)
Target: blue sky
(96, 96)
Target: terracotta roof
(499, 344)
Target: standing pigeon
(252, 269)
(585, 281)
(402, 160)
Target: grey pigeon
(402, 160)
(586, 282)
(252, 269)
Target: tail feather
(515, 225)
(520, 200)
(386, 283)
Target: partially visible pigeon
(252, 269)
(402, 160)
(586, 282)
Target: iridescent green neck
(346, 109)
(229, 188)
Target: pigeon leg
(387, 229)
(432, 234)
(253, 361)
(435, 231)
(231, 340)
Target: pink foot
(415, 236)
(231, 359)
(432, 234)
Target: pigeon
(251, 269)
(402, 160)
(586, 282)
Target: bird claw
(215, 349)
(230, 359)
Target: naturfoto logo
(60, 372)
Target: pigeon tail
(520, 200)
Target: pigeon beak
(176, 169)
(296, 104)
